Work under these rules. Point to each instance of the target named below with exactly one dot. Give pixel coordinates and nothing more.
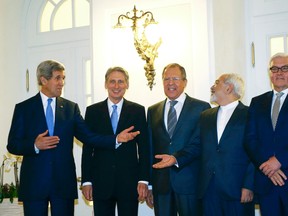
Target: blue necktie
(172, 118)
(49, 117)
(114, 118)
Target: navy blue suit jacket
(119, 168)
(54, 166)
(184, 145)
(227, 160)
(262, 142)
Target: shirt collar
(119, 104)
(230, 105)
(45, 98)
(180, 99)
(285, 91)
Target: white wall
(12, 84)
(183, 28)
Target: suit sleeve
(87, 156)
(251, 139)
(85, 135)
(191, 149)
(143, 147)
(18, 142)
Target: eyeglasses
(275, 69)
(174, 79)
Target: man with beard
(226, 174)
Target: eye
(284, 68)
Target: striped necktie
(172, 118)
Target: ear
(43, 80)
(229, 88)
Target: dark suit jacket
(184, 145)
(262, 142)
(57, 165)
(227, 161)
(119, 168)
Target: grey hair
(119, 69)
(173, 65)
(46, 68)
(277, 55)
(238, 83)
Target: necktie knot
(279, 94)
(49, 101)
(173, 103)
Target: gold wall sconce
(147, 51)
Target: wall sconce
(146, 50)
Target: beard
(213, 99)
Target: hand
(126, 135)
(87, 192)
(270, 166)
(149, 199)
(278, 178)
(142, 192)
(166, 161)
(44, 142)
(246, 195)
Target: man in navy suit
(176, 154)
(267, 143)
(226, 174)
(48, 168)
(118, 177)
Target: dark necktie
(114, 118)
(276, 109)
(49, 117)
(172, 118)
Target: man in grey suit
(226, 176)
(175, 147)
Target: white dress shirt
(224, 114)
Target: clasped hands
(44, 142)
(271, 168)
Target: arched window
(64, 14)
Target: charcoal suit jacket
(118, 170)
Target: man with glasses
(267, 140)
(174, 135)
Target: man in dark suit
(121, 176)
(266, 144)
(226, 174)
(176, 152)
(48, 168)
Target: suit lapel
(59, 114)
(283, 115)
(105, 116)
(124, 116)
(39, 114)
(162, 116)
(213, 122)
